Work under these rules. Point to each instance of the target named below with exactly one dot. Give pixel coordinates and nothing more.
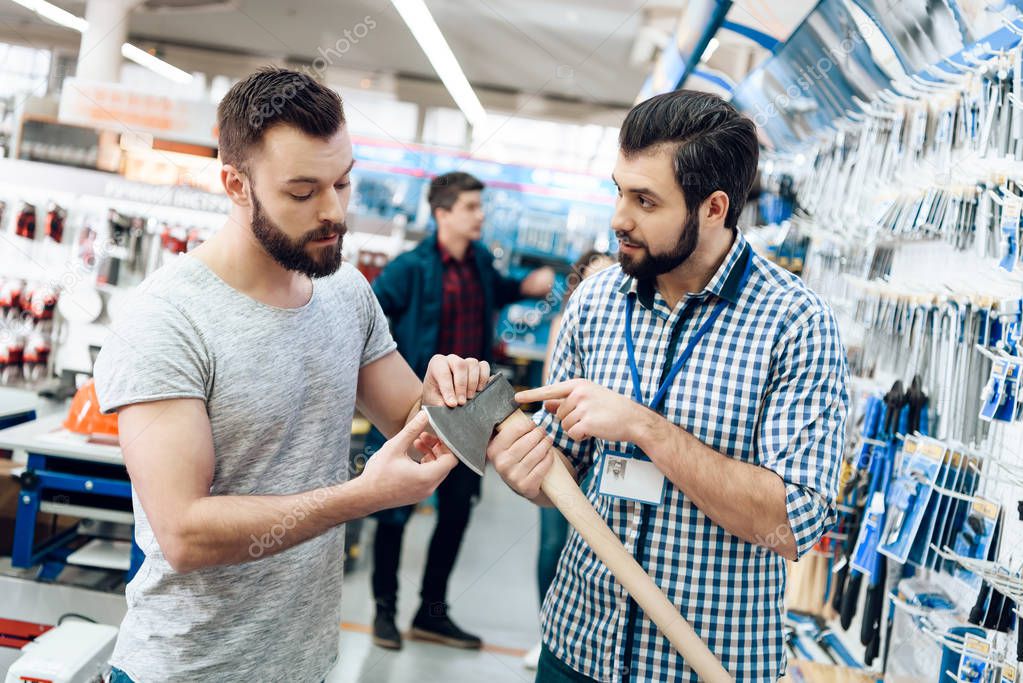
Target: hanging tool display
(910, 502)
(914, 206)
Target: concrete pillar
(99, 56)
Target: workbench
(17, 406)
(71, 475)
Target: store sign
(117, 107)
(161, 195)
(419, 162)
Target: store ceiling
(579, 49)
(590, 51)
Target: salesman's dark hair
(714, 146)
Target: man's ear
(715, 208)
(236, 185)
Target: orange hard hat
(85, 416)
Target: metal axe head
(466, 430)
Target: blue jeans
(553, 534)
(553, 670)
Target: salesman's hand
(521, 453)
(586, 410)
(451, 381)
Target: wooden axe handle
(560, 486)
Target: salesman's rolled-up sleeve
(801, 433)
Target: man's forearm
(220, 530)
(746, 500)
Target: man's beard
(648, 266)
(292, 254)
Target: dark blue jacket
(410, 290)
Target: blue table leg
(25, 528)
(53, 553)
(55, 559)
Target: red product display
(37, 355)
(87, 246)
(26, 224)
(174, 240)
(38, 352)
(10, 295)
(11, 356)
(55, 225)
(25, 300)
(42, 303)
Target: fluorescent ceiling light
(424, 29)
(55, 14)
(49, 11)
(711, 47)
(155, 64)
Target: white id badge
(631, 478)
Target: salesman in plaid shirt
(719, 378)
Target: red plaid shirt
(461, 312)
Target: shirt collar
(724, 284)
(447, 258)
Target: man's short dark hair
(272, 97)
(445, 189)
(715, 147)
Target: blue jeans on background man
(553, 534)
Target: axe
(466, 431)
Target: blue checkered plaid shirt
(766, 385)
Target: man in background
(440, 298)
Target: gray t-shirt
(279, 386)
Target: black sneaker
(385, 632)
(433, 624)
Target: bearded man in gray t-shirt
(235, 376)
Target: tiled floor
(492, 594)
